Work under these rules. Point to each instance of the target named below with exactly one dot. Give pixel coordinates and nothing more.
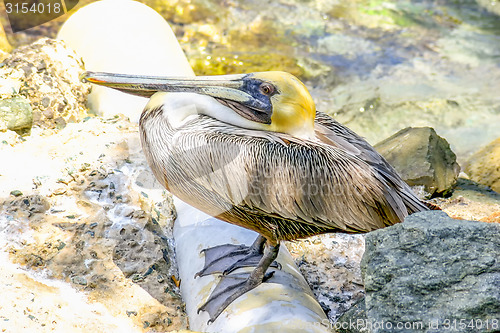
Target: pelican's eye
(267, 89)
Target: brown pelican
(252, 150)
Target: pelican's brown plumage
(252, 150)
(298, 191)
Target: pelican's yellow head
(293, 109)
(269, 101)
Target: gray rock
(16, 115)
(433, 273)
(79, 280)
(422, 157)
(353, 320)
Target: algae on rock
(16, 115)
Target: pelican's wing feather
(334, 133)
(288, 185)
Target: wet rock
(237, 38)
(484, 166)
(16, 115)
(48, 76)
(422, 157)
(431, 270)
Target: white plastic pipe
(125, 36)
(284, 305)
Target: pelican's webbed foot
(228, 257)
(230, 287)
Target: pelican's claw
(229, 288)
(219, 258)
(228, 257)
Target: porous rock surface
(46, 73)
(432, 271)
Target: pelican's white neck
(180, 107)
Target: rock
(9, 87)
(422, 157)
(16, 193)
(159, 54)
(187, 11)
(27, 205)
(491, 6)
(3, 55)
(493, 218)
(432, 271)
(331, 265)
(79, 280)
(104, 239)
(351, 321)
(9, 138)
(484, 166)
(47, 74)
(16, 115)
(470, 201)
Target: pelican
(252, 150)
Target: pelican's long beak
(271, 101)
(233, 90)
(227, 87)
